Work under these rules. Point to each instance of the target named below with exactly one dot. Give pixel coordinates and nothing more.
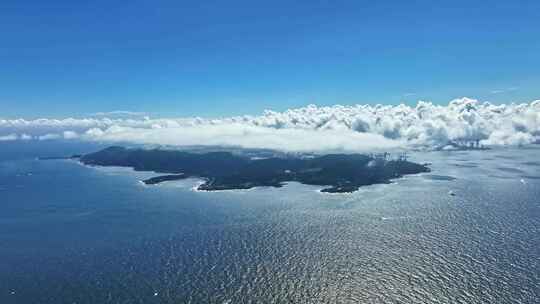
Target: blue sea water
(75, 234)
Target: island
(223, 170)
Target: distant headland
(226, 170)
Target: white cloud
(311, 128)
(9, 137)
(500, 91)
(247, 136)
(25, 137)
(70, 135)
(49, 136)
(119, 113)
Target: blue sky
(221, 58)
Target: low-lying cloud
(311, 128)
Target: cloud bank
(311, 128)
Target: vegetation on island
(226, 170)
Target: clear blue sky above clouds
(220, 58)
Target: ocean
(467, 232)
